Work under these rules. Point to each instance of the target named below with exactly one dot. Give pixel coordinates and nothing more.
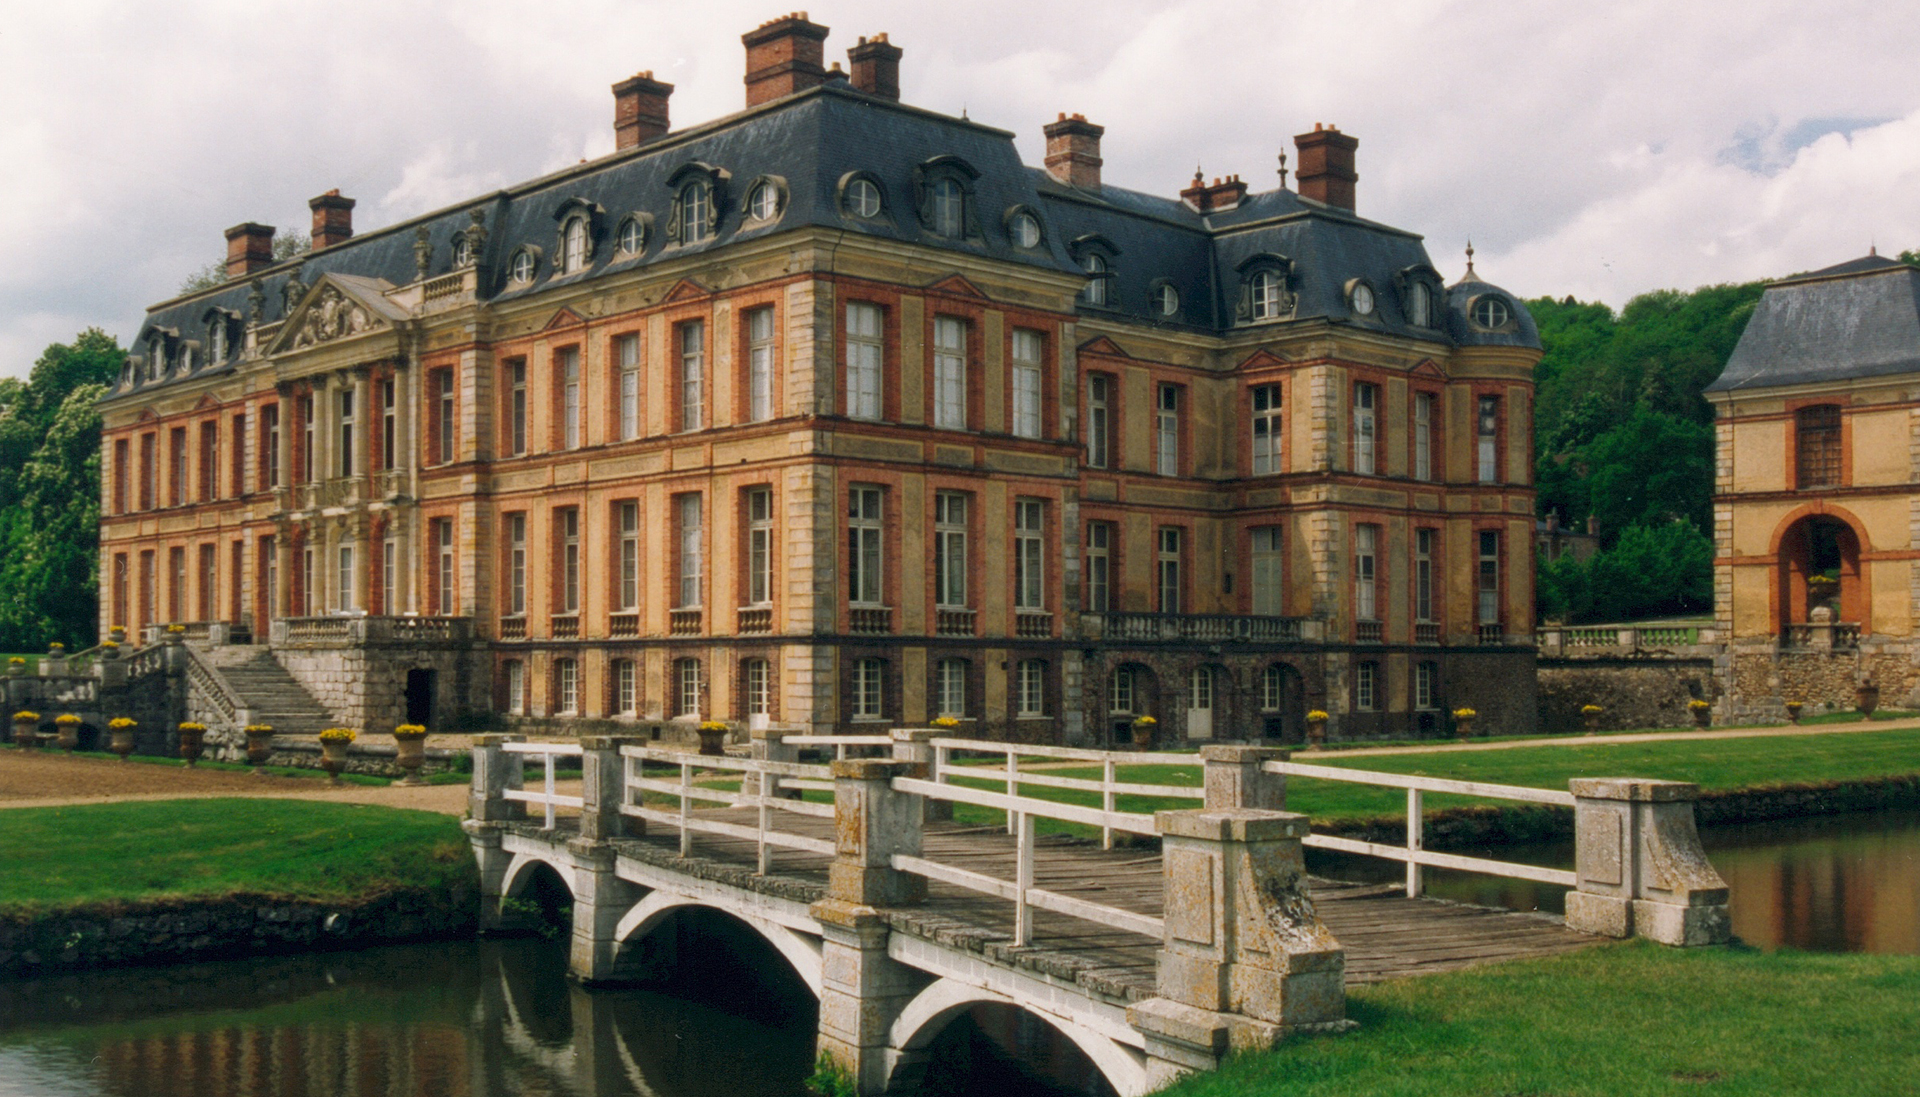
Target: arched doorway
(1820, 566)
(1282, 704)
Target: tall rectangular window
(950, 549)
(1266, 429)
(1425, 684)
(176, 584)
(1488, 578)
(1423, 436)
(1366, 686)
(693, 375)
(1269, 578)
(443, 416)
(626, 694)
(209, 461)
(1099, 567)
(1031, 689)
(566, 367)
(443, 549)
(629, 557)
(516, 565)
(1816, 446)
(950, 688)
(309, 449)
(1099, 421)
(1027, 355)
(692, 550)
(270, 567)
(1029, 554)
(270, 446)
(626, 353)
(1166, 431)
(209, 585)
(1487, 440)
(177, 489)
(306, 595)
(687, 687)
(1366, 544)
(869, 677)
(149, 472)
(759, 688)
(122, 477)
(517, 407)
(390, 575)
(863, 360)
(949, 373)
(344, 585)
(1423, 574)
(760, 364)
(237, 464)
(566, 686)
(389, 424)
(122, 593)
(759, 546)
(516, 687)
(863, 546)
(566, 523)
(346, 431)
(1366, 398)
(236, 587)
(1168, 568)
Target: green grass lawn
(101, 853)
(240, 767)
(1616, 1021)
(1714, 764)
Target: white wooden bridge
(1156, 943)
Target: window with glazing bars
(1027, 354)
(759, 546)
(760, 364)
(863, 360)
(949, 373)
(1816, 446)
(863, 546)
(1266, 429)
(950, 549)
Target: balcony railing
(953, 622)
(1426, 632)
(1367, 632)
(754, 620)
(351, 631)
(1200, 626)
(1032, 624)
(565, 626)
(1491, 634)
(870, 620)
(1819, 636)
(513, 628)
(684, 622)
(623, 626)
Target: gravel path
(50, 779)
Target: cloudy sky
(1597, 149)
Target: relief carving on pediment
(331, 315)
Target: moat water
(499, 1018)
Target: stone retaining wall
(1635, 694)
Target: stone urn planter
(410, 752)
(259, 747)
(1793, 712)
(193, 742)
(1463, 719)
(1143, 729)
(1316, 730)
(26, 729)
(333, 752)
(1590, 718)
(66, 728)
(120, 736)
(16, 667)
(713, 737)
(1702, 713)
(1867, 698)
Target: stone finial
(422, 253)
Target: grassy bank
(62, 858)
(1617, 1021)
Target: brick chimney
(249, 247)
(784, 57)
(639, 110)
(332, 219)
(1326, 172)
(1073, 151)
(1217, 197)
(876, 67)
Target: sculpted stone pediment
(337, 307)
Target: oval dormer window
(863, 198)
(763, 203)
(1166, 299)
(633, 236)
(1362, 299)
(1026, 230)
(521, 270)
(1491, 312)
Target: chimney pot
(1325, 172)
(332, 219)
(249, 247)
(1073, 151)
(783, 57)
(876, 67)
(639, 110)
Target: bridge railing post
(1231, 777)
(603, 788)
(1244, 958)
(768, 745)
(915, 746)
(1642, 871)
(872, 822)
(494, 772)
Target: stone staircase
(272, 695)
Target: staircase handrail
(203, 676)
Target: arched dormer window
(573, 246)
(634, 232)
(219, 334)
(462, 250)
(765, 201)
(699, 193)
(1095, 255)
(1419, 288)
(580, 224)
(943, 195)
(524, 265)
(1266, 289)
(861, 196)
(156, 356)
(1024, 229)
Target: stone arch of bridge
(518, 874)
(802, 954)
(943, 1000)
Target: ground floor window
(566, 687)
(1031, 688)
(686, 677)
(626, 695)
(516, 688)
(1366, 686)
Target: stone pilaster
(602, 788)
(872, 822)
(862, 991)
(494, 772)
(600, 899)
(1641, 868)
(1232, 778)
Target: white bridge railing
(762, 781)
(547, 754)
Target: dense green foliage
(65, 856)
(1620, 1020)
(50, 494)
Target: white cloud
(1593, 149)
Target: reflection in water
(1831, 883)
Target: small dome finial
(1283, 169)
(1469, 256)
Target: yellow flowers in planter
(192, 725)
(258, 729)
(110, 644)
(1464, 714)
(1144, 721)
(56, 647)
(1318, 715)
(18, 661)
(121, 723)
(176, 629)
(1591, 710)
(410, 731)
(25, 716)
(712, 725)
(339, 735)
(66, 719)
(1698, 705)
(946, 722)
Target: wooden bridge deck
(1385, 934)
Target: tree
(50, 494)
(286, 245)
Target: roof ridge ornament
(1469, 257)
(1283, 169)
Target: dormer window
(521, 267)
(580, 223)
(1023, 228)
(573, 250)
(949, 208)
(696, 210)
(1266, 289)
(1267, 295)
(1165, 298)
(1420, 305)
(766, 199)
(1095, 254)
(1096, 292)
(944, 187)
(1491, 312)
(698, 194)
(860, 196)
(1360, 297)
(632, 237)
(462, 250)
(156, 358)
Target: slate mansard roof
(811, 142)
(1858, 319)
